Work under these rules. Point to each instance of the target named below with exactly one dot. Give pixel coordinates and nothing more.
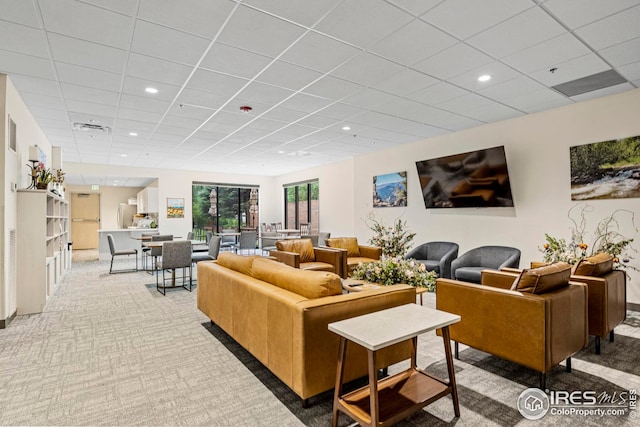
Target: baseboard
(633, 306)
(5, 322)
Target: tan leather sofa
(353, 253)
(538, 325)
(280, 315)
(300, 253)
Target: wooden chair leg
(456, 350)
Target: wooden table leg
(339, 377)
(450, 369)
(373, 387)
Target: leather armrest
(292, 259)
(330, 256)
(373, 252)
(511, 270)
(498, 279)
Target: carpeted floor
(111, 350)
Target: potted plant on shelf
(43, 177)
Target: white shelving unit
(42, 237)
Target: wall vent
(92, 127)
(590, 83)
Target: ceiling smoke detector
(92, 127)
(245, 108)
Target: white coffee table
(398, 396)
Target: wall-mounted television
(474, 179)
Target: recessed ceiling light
(133, 133)
(151, 90)
(281, 152)
(115, 180)
(346, 127)
(484, 78)
(93, 121)
(123, 155)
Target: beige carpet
(111, 350)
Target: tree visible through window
(302, 206)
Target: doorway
(85, 220)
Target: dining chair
(212, 252)
(175, 255)
(248, 241)
(156, 253)
(305, 229)
(115, 253)
(146, 249)
(228, 242)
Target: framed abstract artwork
(390, 190)
(175, 207)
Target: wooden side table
(396, 397)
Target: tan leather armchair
(536, 330)
(300, 253)
(353, 253)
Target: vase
(42, 185)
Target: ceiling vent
(590, 83)
(92, 127)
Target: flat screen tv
(474, 179)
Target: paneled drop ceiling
(326, 79)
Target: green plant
(393, 270)
(43, 176)
(394, 240)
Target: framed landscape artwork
(606, 169)
(390, 190)
(175, 207)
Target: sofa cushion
(596, 265)
(543, 279)
(307, 283)
(303, 247)
(240, 263)
(348, 243)
(317, 266)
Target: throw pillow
(303, 247)
(240, 263)
(596, 265)
(348, 243)
(309, 284)
(543, 279)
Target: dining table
(289, 233)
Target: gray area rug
(111, 350)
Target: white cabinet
(148, 200)
(42, 237)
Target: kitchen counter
(122, 238)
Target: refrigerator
(125, 214)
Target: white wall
(15, 171)
(537, 150)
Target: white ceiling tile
(574, 13)
(183, 122)
(36, 85)
(415, 7)
(145, 67)
(211, 81)
(547, 54)
(306, 103)
(405, 82)
(143, 103)
(623, 53)
(136, 86)
(369, 99)
(288, 76)
(437, 93)
(515, 88)
(201, 98)
(54, 124)
(17, 63)
(265, 94)
(43, 101)
(376, 20)
(83, 76)
(534, 101)
(202, 18)
(21, 12)
(610, 31)
(630, 71)
(341, 111)
(165, 43)
(189, 111)
(234, 61)
(426, 41)
(465, 103)
(576, 68)
(493, 113)
(453, 61)
(48, 113)
(497, 70)
(90, 108)
(367, 69)
(520, 32)
(267, 124)
(327, 52)
(236, 104)
(86, 54)
(284, 114)
(273, 37)
(84, 93)
(477, 16)
(333, 88)
(302, 11)
(87, 22)
(22, 39)
(319, 121)
(128, 7)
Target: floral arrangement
(393, 270)
(42, 176)
(606, 238)
(394, 240)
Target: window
(224, 207)
(302, 205)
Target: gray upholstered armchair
(468, 267)
(436, 256)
